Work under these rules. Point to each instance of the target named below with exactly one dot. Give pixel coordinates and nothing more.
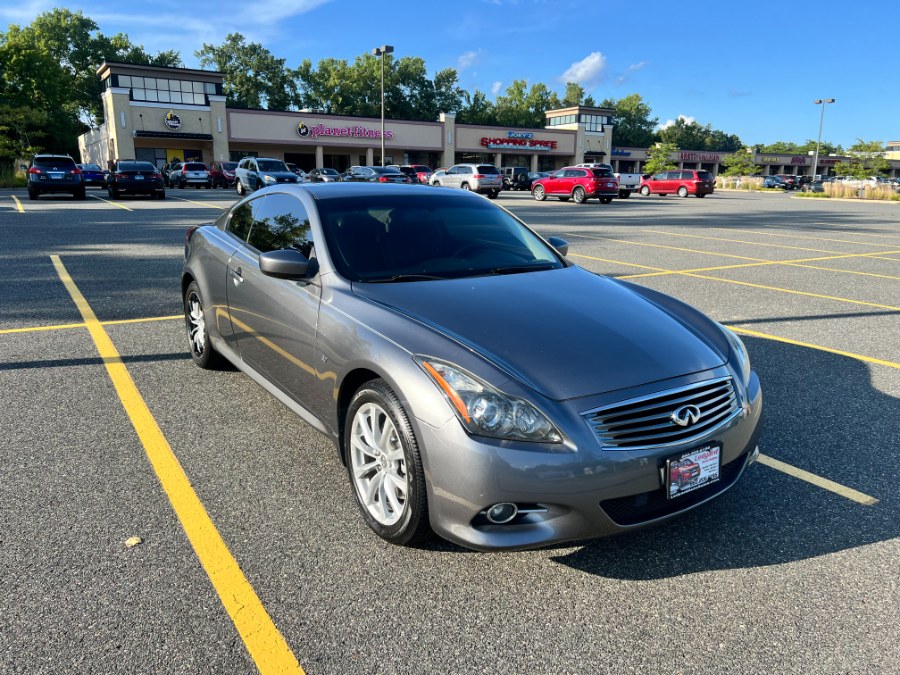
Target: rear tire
(465, 186)
(578, 195)
(645, 191)
(113, 193)
(80, 194)
(493, 194)
(682, 192)
(701, 196)
(606, 200)
(33, 194)
(202, 352)
(385, 469)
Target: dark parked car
(324, 176)
(473, 381)
(774, 182)
(53, 174)
(682, 182)
(129, 177)
(792, 181)
(93, 174)
(222, 174)
(814, 186)
(578, 184)
(419, 173)
(376, 174)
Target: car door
(274, 320)
(452, 177)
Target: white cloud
(587, 72)
(467, 60)
(630, 70)
(685, 118)
(496, 87)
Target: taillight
(121, 176)
(76, 170)
(35, 170)
(190, 231)
(156, 175)
(184, 169)
(383, 179)
(478, 175)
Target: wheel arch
(349, 386)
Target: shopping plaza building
(162, 115)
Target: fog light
(502, 513)
(753, 455)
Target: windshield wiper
(402, 277)
(516, 269)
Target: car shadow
(822, 413)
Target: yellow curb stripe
(808, 345)
(66, 326)
(264, 642)
(818, 481)
(121, 206)
(19, 207)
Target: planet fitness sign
(356, 131)
(172, 120)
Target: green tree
(691, 135)
(253, 77)
(574, 95)
(658, 158)
(477, 109)
(633, 126)
(740, 163)
(521, 106)
(866, 159)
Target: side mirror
(285, 263)
(560, 245)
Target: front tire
(645, 191)
(538, 193)
(239, 186)
(384, 465)
(202, 352)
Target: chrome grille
(646, 422)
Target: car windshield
(271, 165)
(411, 238)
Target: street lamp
(381, 51)
(822, 102)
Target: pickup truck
(628, 183)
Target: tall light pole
(381, 51)
(822, 102)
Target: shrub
(10, 177)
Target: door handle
(236, 276)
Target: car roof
(327, 191)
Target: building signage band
(520, 134)
(517, 144)
(172, 120)
(620, 153)
(700, 157)
(355, 131)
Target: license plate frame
(693, 469)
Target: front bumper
(582, 494)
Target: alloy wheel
(378, 464)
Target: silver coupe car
(475, 382)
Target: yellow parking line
(111, 202)
(191, 201)
(830, 485)
(740, 241)
(19, 207)
(264, 642)
(808, 345)
(65, 326)
(794, 236)
(669, 248)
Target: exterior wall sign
(520, 134)
(620, 153)
(768, 160)
(798, 160)
(355, 131)
(517, 144)
(172, 120)
(699, 157)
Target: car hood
(563, 333)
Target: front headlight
(270, 179)
(740, 352)
(486, 411)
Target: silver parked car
(255, 173)
(474, 382)
(482, 178)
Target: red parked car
(682, 182)
(578, 184)
(222, 173)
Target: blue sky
(747, 68)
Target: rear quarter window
(704, 175)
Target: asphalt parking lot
(793, 570)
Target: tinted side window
(687, 175)
(242, 219)
(280, 222)
(704, 175)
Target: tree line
(50, 92)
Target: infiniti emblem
(686, 415)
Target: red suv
(222, 173)
(682, 182)
(683, 471)
(577, 183)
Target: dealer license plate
(693, 469)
